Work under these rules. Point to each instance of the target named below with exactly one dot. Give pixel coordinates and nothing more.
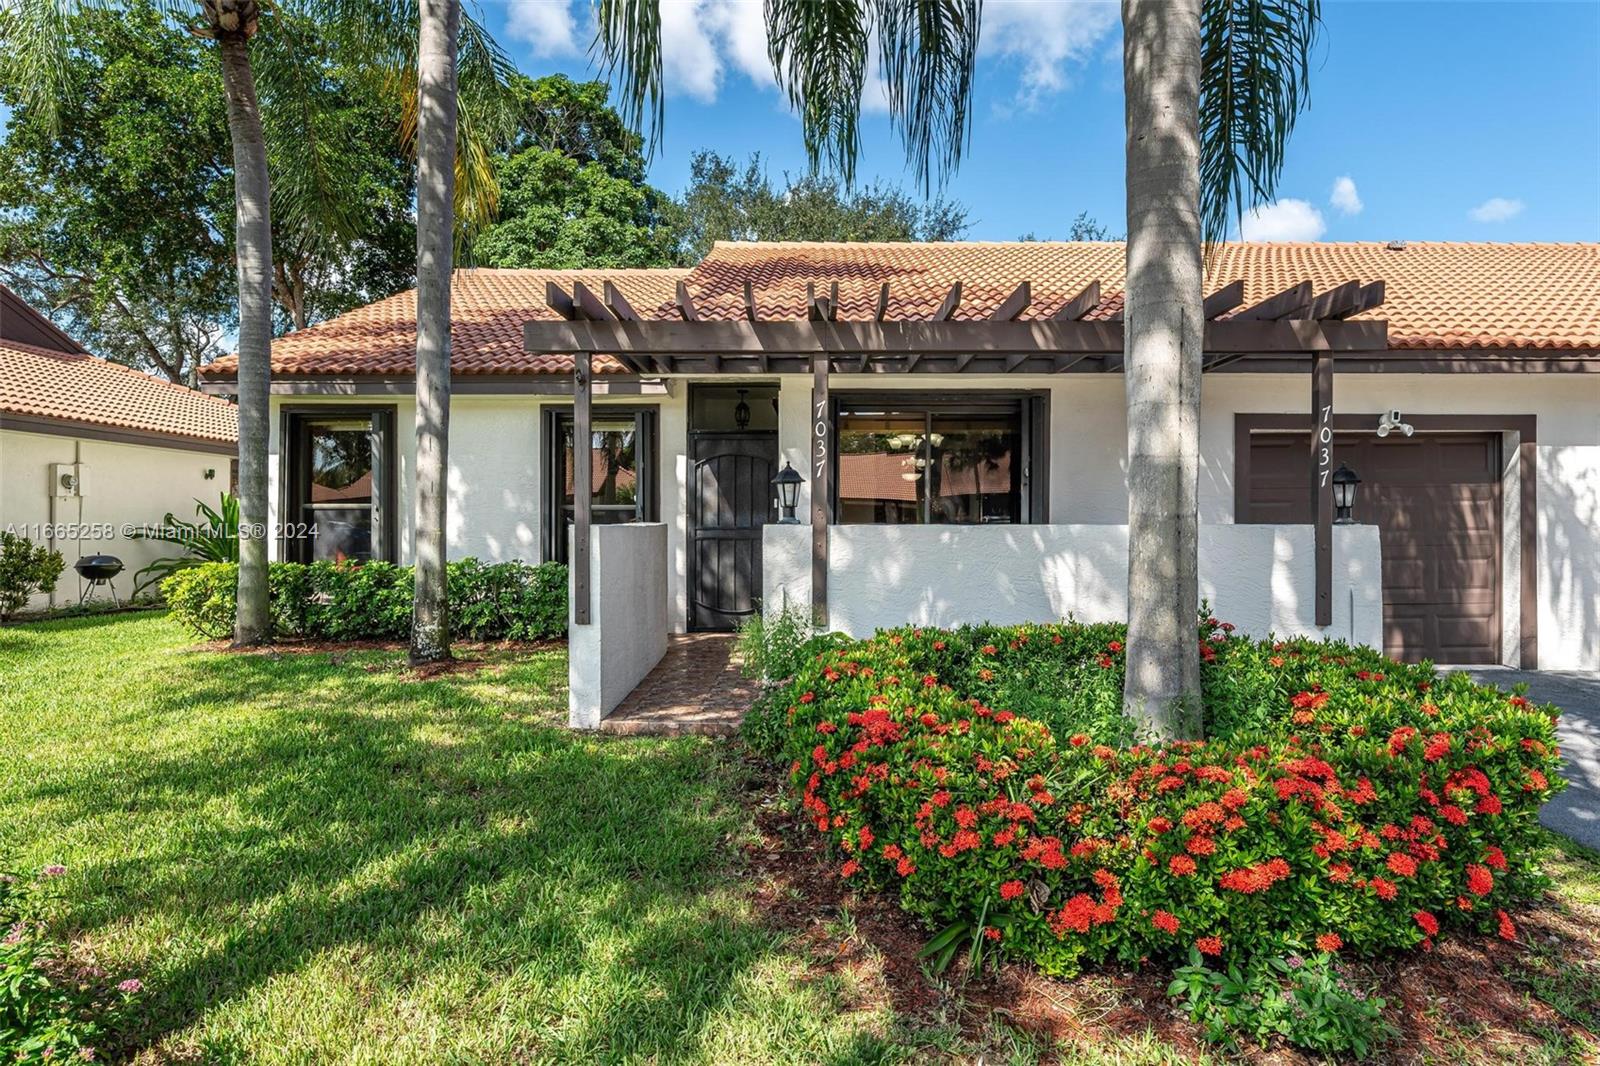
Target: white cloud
(1047, 36)
(547, 26)
(1286, 220)
(1345, 197)
(1496, 209)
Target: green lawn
(319, 858)
(314, 858)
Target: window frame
(554, 417)
(295, 468)
(1033, 414)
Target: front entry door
(730, 499)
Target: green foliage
(26, 568)
(372, 601)
(1309, 1002)
(726, 203)
(213, 539)
(49, 1013)
(1343, 799)
(773, 650)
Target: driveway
(1576, 812)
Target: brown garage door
(1436, 501)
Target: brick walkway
(695, 688)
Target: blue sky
(1451, 120)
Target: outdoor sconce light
(741, 411)
(788, 483)
(1344, 494)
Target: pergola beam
(1293, 302)
(1224, 299)
(1086, 300)
(685, 304)
(952, 300)
(1013, 306)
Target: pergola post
(582, 483)
(1321, 491)
(821, 487)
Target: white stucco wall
(126, 484)
(627, 634)
(1258, 577)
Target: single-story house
(90, 449)
(956, 414)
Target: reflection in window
(340, 501)
(621, 489)
(944, 465)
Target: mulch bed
(1455, 1004)
(468, 656)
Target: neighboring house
(990, 482)
(131, 448)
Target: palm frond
(819, 49)
(33, 52)
(628, 40)
(929, 49)
(1254, 81)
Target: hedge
(1342, 801)
(372, 601)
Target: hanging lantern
(741, 411)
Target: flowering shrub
(1342, 801)
(50, 1011)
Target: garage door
(1436, 501)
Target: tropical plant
(26, 569)
(379, 39)
(212, 539)
(1212, 88)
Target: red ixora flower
(1209, 945)
(1115, 646)
(1427, 922)
(850, 869)
(1329, 942)
(1013, 889)
(1480, 882)
(1508, 931)
(1181, 865)
(1401, 863)
(1165, 922)
(808, 697)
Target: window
(339, 491)
(933, 461)
(622, 442)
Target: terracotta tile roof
(487, 308)
(1439, 295)
(43, 383)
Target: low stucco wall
(627, 633)
(1258, 577)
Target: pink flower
(132, 986)
(53, 870)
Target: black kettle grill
(97, 570)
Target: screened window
(338, 477)
(622, 486)
(932, 462)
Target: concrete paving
(1575, 812)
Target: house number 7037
(1325, 446)
(819, 439)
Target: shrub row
(372, 601)
(1342, 800)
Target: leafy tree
(120, 216)
(1084, 228)
(572, 188)
(117, 209)
(727, 202)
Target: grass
(319, 857)
(309, 857)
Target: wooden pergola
(1297, 327)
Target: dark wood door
(1436, 500)
(730, 499)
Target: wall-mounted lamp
(1344, 495)
(788, 484)
(741, 411)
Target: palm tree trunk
(436, 139)
(253, 252)
(1164, 336)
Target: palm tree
(1213, 89)
(436, 136)
(377, 37)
